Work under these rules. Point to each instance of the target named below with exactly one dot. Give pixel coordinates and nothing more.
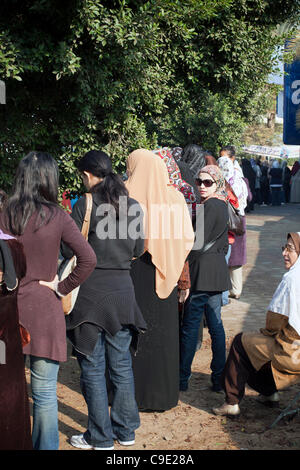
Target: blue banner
(291, 113)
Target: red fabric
(235, 202)
(15, 428)
(66, 202)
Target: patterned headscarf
(234, 177)
(175, 176)
(215, 172)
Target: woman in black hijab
(249, 173)
(191, 161)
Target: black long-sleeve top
(209, 270)
(112, 239)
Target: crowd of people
(165, 252)
(272, 182)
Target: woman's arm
(184, 283)
(86, 258)
(77, 215)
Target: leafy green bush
(86, 74)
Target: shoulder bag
(68, 265)
(235, 222)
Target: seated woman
(15, 430)
(268, 360)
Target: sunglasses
(207, 183)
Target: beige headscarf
(168, 244)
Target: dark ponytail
(112, 187)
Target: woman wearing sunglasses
(268, 360)
(209, 278)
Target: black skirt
(156, 364)
(106, 301)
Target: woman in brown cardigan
(268, 360)
(33, 216)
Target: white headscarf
(286, 300)
(234, 177)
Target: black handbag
(235, 222)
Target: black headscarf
(194, 156)
(248, 171)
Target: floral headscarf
(217, 175)
(235, 179)
(175, 176)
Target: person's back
(106, 319)
(275, 176)
(32, 215)
(110, 235)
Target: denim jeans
(193, 314)
(124, 416)
(225, 295)
(44, 372)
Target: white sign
(275, 152)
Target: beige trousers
(236, 277)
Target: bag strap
(210, 244)
(87, 218)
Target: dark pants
(239, 371)
(276, 192)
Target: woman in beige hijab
(169, 238)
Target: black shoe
(183, 387)
(217, 388)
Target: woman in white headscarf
(238, 256)
(268, 360)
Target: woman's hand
(183, 295)
(51, 284)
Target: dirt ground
(191, 425)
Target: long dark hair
(36, 186)
(112, 187)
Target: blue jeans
(225, 295)
(124, 416)
(44, 372)
(193, 314)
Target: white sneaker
(80, 443)
(227, 410)
(126, 443)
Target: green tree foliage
(117, 75)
